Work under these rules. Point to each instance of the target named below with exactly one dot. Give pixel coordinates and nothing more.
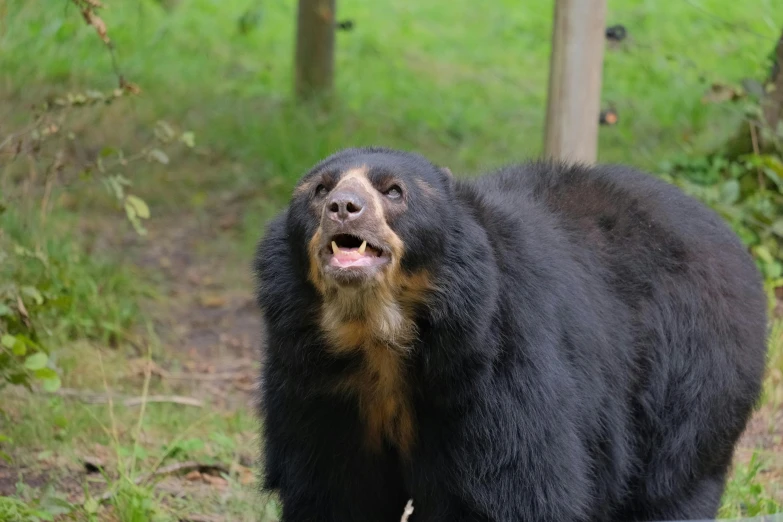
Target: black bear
(548, 342)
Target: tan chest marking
(380, 386)
(382, 336)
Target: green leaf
(26, 340)
(138, 204)
(107, 151)
(777, 228)
(45, 373)
(159, 156)
(90, 506)
(730, 191)
(773, 270)
(773, 175)
(114, 187)
(19, 378)
(33, 292)
(20, 348)
(4, 310)
(52, 385)
(163, 131)
(36, 361)
(44, 455)
(130, 210)
(189, 139)
(8, 341)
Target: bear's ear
(448, 177)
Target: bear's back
(642, 228)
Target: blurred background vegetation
(144, 144)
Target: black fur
(593, 352)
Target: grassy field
(170, 314)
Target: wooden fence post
(314, 60)
(576, 63)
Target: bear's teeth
(335, 248)
(361, 248)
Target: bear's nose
(345, 206)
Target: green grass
(465, 85)
(746, 495)
(52, 435)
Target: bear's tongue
(350, 257)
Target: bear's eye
(393, 192)
(321, 190)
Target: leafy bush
(53, 293)
(748, 193)
(50, 288)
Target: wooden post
(314, 60)
(576, 63)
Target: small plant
(22, 358)
(27, 507)
(745, 496)
(15, 509)
(48, 285)
(134, 503)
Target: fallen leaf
(193, 475)
(218, 482)
(212, 300)
(245, 475)
(229, 221)
(22, 310)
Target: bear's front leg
(315, 458)
(483, 463)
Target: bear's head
(371, 224)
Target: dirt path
(208, 321)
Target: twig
(96, 398)
(179, 467)
(195, 376)
(408, 511)
(754, 140)
(201, 518)
(30, 128)
(222, 376)
(174, 399)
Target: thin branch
(179, 467)
(754, 139)
(174, 399)
(222, 376)
(96, 398)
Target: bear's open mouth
(348, 251)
